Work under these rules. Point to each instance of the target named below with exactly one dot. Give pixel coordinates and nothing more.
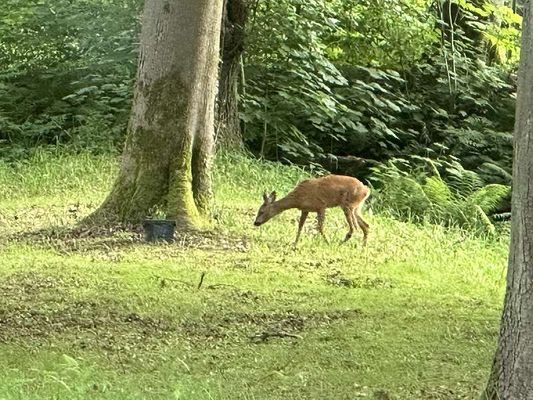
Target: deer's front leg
(303, 217)
(320, 217)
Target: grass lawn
(414, 315)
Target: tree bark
(511, 377)
(228, 127)
(168, 150)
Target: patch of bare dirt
(359, 282)
(30, 285)
(83, 323)
(37, 308)
(259, 326)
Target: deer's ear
(273, 196)
(265, 197)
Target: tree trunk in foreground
(512, 371)
(167, 156)
(228, 126)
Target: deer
(316, 195)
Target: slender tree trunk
(512, 371)
(167, 155)
(232, 39)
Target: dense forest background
(416, 97)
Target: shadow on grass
(115, 237)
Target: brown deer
(315, 195)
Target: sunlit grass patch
(234, 313)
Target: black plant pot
(159, 229)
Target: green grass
(413, 316)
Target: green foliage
(66, 72)
(459, 199)
(468, 114)
(501, 34)
(288, 73)
(375, 79)
(308, 88)
(380, 80)
(379, 33)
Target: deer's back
(328, 191)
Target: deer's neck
(284, 204)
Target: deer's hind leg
(356, 224)
(348, 213)
(362, 223)
(360, 201)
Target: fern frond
(463, 181)
(437, 191)
(485, 225)
(495, 174)
(489, 197)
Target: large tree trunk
(512, 371)
(168, 149)
(232, 39)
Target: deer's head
(266, 211)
